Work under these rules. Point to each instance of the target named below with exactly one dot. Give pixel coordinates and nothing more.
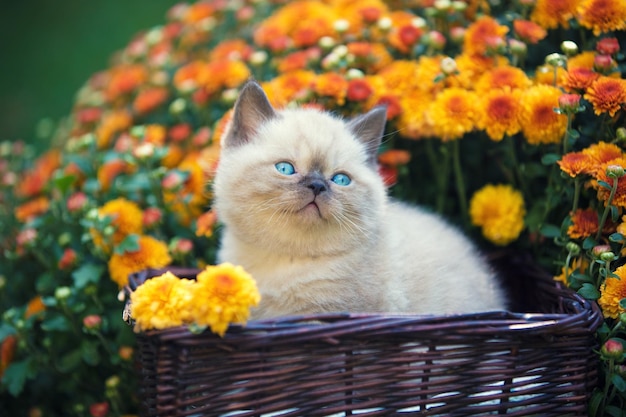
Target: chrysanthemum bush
(508, 118)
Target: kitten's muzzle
(315, 183)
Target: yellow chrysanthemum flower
(612, 292)
(162, 302)
(579, 264)
(127, 219)
(499, 211)
(540, 123)
(453, 113)
(152, 253)
(224, 295)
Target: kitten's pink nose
(317, 186)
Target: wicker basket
(519, 364)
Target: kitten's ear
(369, 129)
(252, 109)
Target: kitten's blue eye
(285, 168)
(341, 179)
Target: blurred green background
(49, 48)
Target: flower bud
(569, 48)
(603, 63)
(569, 103)
(435, 39)
(76, 202)
(518, 48)
(180, 247)
(151, 217)
(556, 60)
(615, 171)
(258, 58)
(99, 409)
(178, 106)
(457, 34)
(62, 293)
(125, 352)
(173, 180)
(572, 248)
(68, 259)
(598, 250)
(112, 381)
(620, 134)
(341, 25)
(607, 46)
(92, 322)
(608, 256)
(385, 24)
(144, 151)
(612, 349)
(442, 5)
(448, 66)
(370, 14)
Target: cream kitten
(306, 213)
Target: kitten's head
(299, 181)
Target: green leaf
(574, 134)
(56, 323)
(69, 362)
(622, 303)
(129, 244)
(46, 283)
(550, 230)
(16, 375)
(86, 274)
(595, 402)
(63, 183)
(6, 330)
(614, 214)
(619, 382)
(605, 185)
(614, 411)
(589, 243)
(89, 352)
(550, 158)
(616, 237)
(589, 291)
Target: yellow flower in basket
(220, 295)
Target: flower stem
(441, 169)
(567, 130)
(607, 209)
(576, 194)
(460, 183)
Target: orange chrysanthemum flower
(112, 124)
(34, 307)
(499, 113)
(545, 74)
(225, 74)
(35, 179)
(370, 57)
(149, 99)
(453, 113)
(189, 77)
(413, 121)
(198, 12)
(482, 34)
(601, 174)
(602, 152)
(551, 14)
(607, 95)
(231, 49)
(126, 218)
(205, 223)
(540, 123)
(152, 253)
(584, 224)
(125, 79)
(331, 84)
(472, 67)
(503, 77)
(612, 292)
(394, 157)
(602, 15)
(529, 31)
(292, 86)
(111, 170)
(584, 59)
(32, 209)
(578, 79)
(577, 163)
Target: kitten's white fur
(354, 250)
